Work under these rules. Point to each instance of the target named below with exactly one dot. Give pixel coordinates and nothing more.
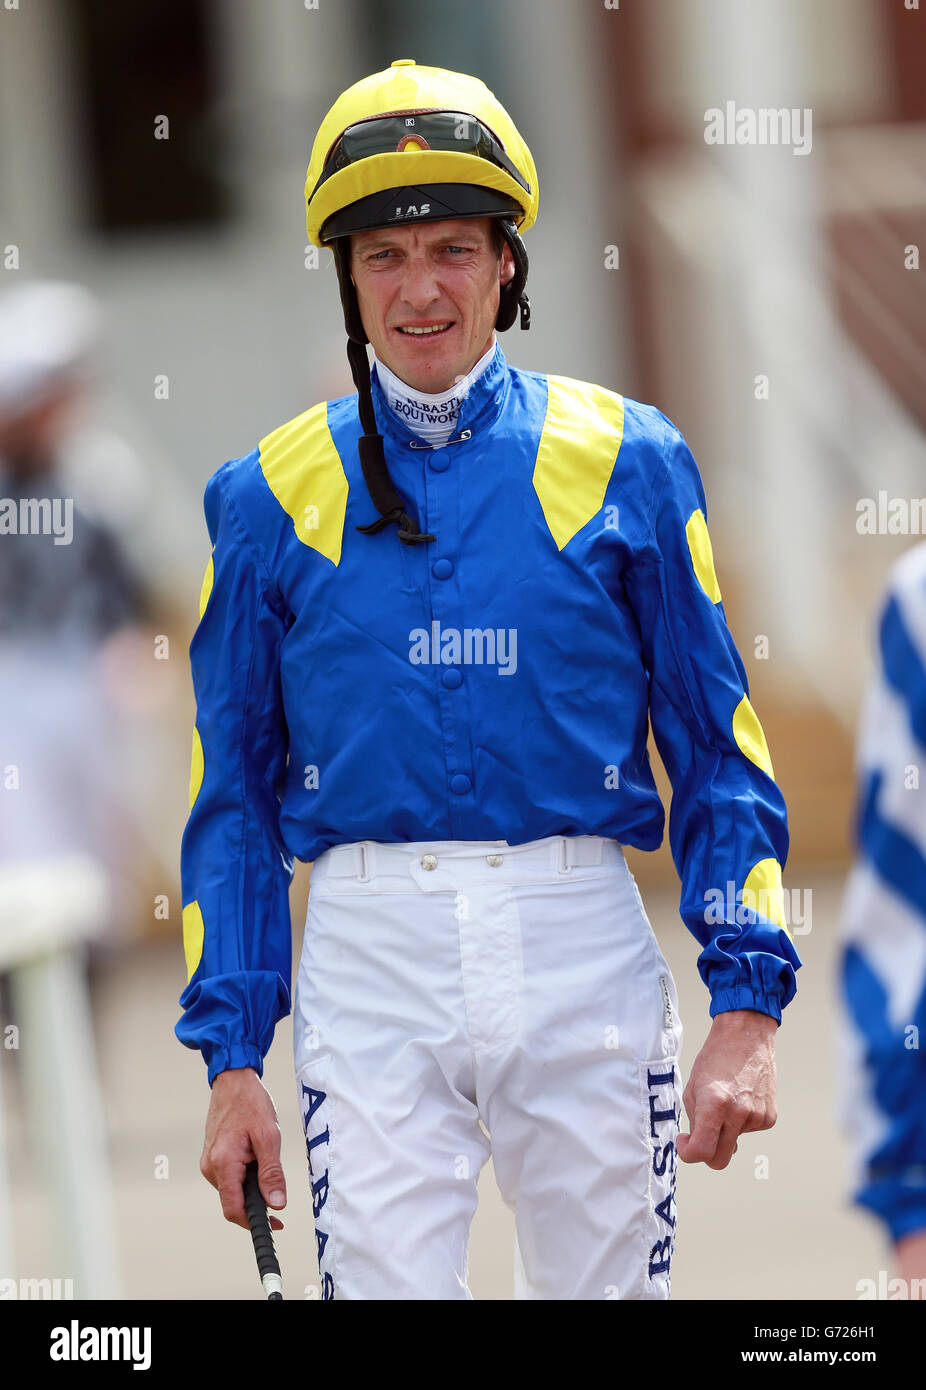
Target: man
(464, 703)
(883, 956)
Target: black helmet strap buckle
(381, 488)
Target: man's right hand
(242, 1125)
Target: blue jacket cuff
(744, 997)
(229, 1058)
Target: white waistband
(369, 859)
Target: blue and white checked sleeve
(883, 929)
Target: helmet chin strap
(380, 486)
(373, 459)
(513, 296)
(370, 445)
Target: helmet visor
(428, 130)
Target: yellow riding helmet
(357, 153)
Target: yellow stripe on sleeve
(702, 554)
(193, 933)
(750, 736)
(763, 892)
(208, 579)
(197, 766)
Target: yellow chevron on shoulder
(579, 444)
(303, 470)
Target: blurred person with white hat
(65, 583)
(66, 593)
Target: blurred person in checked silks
(882, 981)
(444, 707)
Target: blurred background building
(767, 298)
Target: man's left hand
(731, 1089)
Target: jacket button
(442, 569)
(439, 460)
(460, 783)
(452, 677)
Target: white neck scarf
(433, 417)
